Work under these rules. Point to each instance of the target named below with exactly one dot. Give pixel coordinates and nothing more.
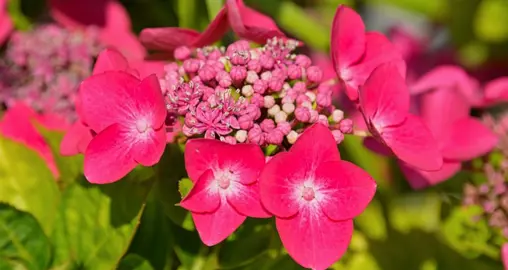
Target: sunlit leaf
(134, 262)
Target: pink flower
(504, 255)
(128, 116)
(5, 22)
(496, 91)
(17, 125)
(459, 136)
(355, 54)
(108, 15)
(247, 23)
(384, 104)
(314, 195)
(225, 188)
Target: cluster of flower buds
(492, 196)
(264, 95)
(43, 67)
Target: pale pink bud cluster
(44, 66)
(265, 95)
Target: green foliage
(23, 243)
(134, 262)
(491, 22)
(184, 186)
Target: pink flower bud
(247, 90)
(346, 126)
(300, 87)
(314, 74)
(191, 65)
(338, 136)
(230, 140)
(314, 115)
(255, 135)
(241, 136)
(292, 137)
(302, 98)
(303, 61)
(207, 73)
(190, 120)
(260, 86)
(266, 61)
(275, 136)
(181, 53)
(284, 127)
(275, 84)
(252, 77)
(245, 121)
(214, 55)
(223, 78)
(311, 95)
(258, 100)
(280, 116)
(231, 121)
(288, 108)
(254, 65)
(302, 114)
(337, 116)
(280, 73)
(269, 101)
(253, 111)
(267, 125)
(274, 110)
(324, 99)
(266, 76)
(323, 119)
(294, 72)
(238, 74)
(240, 57)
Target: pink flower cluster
(265, 95)
(43, 67)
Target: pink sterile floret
(384, 103)
(128, 115)
(314, 195)
(225, 188)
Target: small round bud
(280, 117)
(241, 136)
(181, 53)
(311, 95)
(302, 114)
(266, 76)
(247, 90)
(314, 74)
(337, 116)
(292, 137)
(288, 108)
(346, 126)
(252, 77)
(274, 110)
(267, 125)
(338, 136)
(269, 101)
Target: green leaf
(295, 20)
(372, 222)
(491, 22)
(435, 9)
(20, 21)
(213, 7)
(415, 211)
(27, 184)
(134, 262)
(188, 248)
(184, 186)
(192, 14)
(23, 244)
(169, 171)
(98, 222)
(250, 241)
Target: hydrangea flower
(6, 25)
(225, 188)
(314, 195)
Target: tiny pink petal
(316, 145)
(348, 38)
(215, 227)
(124, 41)
(203, 198)
(504, 255)
(497, 90)
(110, 60)
(214, 31)
(313, 240)
(6, 24)
(348, 189)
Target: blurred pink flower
(356, 53)
(314, 196)
(247, 23)
(225, 188)
(504, 255)
(6, 25)
(385, 106)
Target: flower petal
(108, 157)
(214, 31)
(315, 241)
(110, 60)
(16, 124)
(104, 98)
(249, 24)
(347, 189)
(214, 227)
(126, 42)
(167, 38)
(378, 50)
(413, 143)
(277, 183)
(76, 139)
(348, 38)
(148, 148)
(419, 179)
(504, 255)
(149, 101)
(385, 101)
(74, 14)
(315, 146)
(469, 139)
(246, 201)
(203, 197)
(246, 160)
(6, 25)
(377, 147)
(497, 90)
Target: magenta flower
(496, 91)
(314, 196)
(355, 53)
(504, 255)
(5, 22)
(225, 188)
(385, 106)
(459, 136)
(128, 115)
(247, 23)
(108, 15)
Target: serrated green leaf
(22, 241)
(98, 222)
(184, 186)
(134, 262)
(27, 184)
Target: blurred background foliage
(135, 224)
